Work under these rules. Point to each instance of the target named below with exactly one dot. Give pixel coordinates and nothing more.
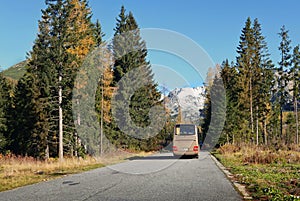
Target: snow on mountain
(190, 100)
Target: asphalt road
(157, 177)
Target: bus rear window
(185, 129)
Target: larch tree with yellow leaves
(66, 36)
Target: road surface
(157, 177)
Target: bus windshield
(185, 129)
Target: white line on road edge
(239, 187)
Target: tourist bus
(185, 140)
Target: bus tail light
(196, 148)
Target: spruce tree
(36, 87)
(245, 79)
(121, 46)
(254, 69)
(262, 81)
(98, 33)
(29, 136)
(214, 112)
(66, 35)
(5, 113)
(282, 80)
(130, 54)
(295, 78)
(231, 127)
(206, 114)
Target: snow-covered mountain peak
(190, 101)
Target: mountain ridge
(16, 71)
(188, 100)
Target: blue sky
(215, 25)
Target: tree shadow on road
(159, 157)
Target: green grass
(269, 180)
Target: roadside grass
(20, 171)
(267, 174)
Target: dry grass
(19, 171)
(262, 154)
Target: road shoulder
(239, 187)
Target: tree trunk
(47, 155)
(281, 124)
(101, 123)
(265, 132)
(257, 136)
(60, 148)
(251, 107)
(297, 123)
(227, 138)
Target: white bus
(185, 140)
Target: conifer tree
(5, 112)
(122, 48)
(206, 114)
(80, 41)
(231, 127)
(214, 113)
(130, 53)
(245, 78)
(98, 33)
(38, 79)
(29, 136)
(262, 81)
(282, 81)
(254, 78)
(80, 29)
(104, 95)
(66, 35)
(295, 77)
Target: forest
(36, 112)
(261, 100)
(260, 105)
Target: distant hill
(16, 71)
